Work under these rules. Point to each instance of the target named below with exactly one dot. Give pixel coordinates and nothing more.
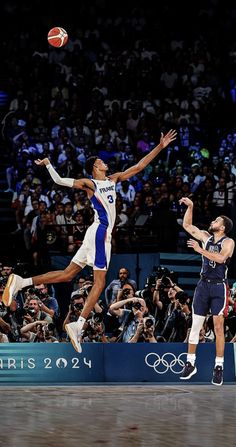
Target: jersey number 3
(110, 199)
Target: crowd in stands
(100, 96)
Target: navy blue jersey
(211, 269)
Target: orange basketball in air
(57, 37)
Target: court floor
(118, 415)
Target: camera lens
(149, 322)
(137, 306)
(78, 306)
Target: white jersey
(104, 203)
(96, 247)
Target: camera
(97, 317)
(148, 323)
(159, 272)
(33, 291)
(77, 306)
(137, 306)
(126, 292)
(36, 292)
(165, 275)
(29, 311)
(182, 297)
(84, 291)
(145, 293)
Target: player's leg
(190, 367)
(218, 305)
(199, 311)
(74, 329)
(97, 251)
(16, 282)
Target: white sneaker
(74, 334)
(14, 284)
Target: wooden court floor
(118, 416)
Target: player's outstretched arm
(86, 184)
(133, 170)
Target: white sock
(80, 323)
(219, 361)
(26, 282)
(191, 358)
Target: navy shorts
(209, 297)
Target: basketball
(57, 37)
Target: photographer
(39, 332)
(131, 312)
(150, 296)
(178, 315)
(115, 285)
(77, 301)
(32, 311)
(95, 329)
(47, 303)
(145, 331)
(111, 321)
(155, 293)
(92, 330)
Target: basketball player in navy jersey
(96, 248)
(211, 291)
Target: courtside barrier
(59, 363)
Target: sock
(80, 323)
(191, 358)
(26, 282)
(219, 361)
(18, 226)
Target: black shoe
(217, 378)
(189, 371)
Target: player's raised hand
(186, 201)
(166, 139)
(43, 162)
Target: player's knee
(197, 324)
(193, 338)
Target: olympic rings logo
(166, 362)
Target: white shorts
(95, 250)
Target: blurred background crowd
(128, 73)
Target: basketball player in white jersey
(96, 247)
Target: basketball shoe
(217, 378)
(74, 334)
(14, 284)
(189, 371)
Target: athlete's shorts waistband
(213, 281)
